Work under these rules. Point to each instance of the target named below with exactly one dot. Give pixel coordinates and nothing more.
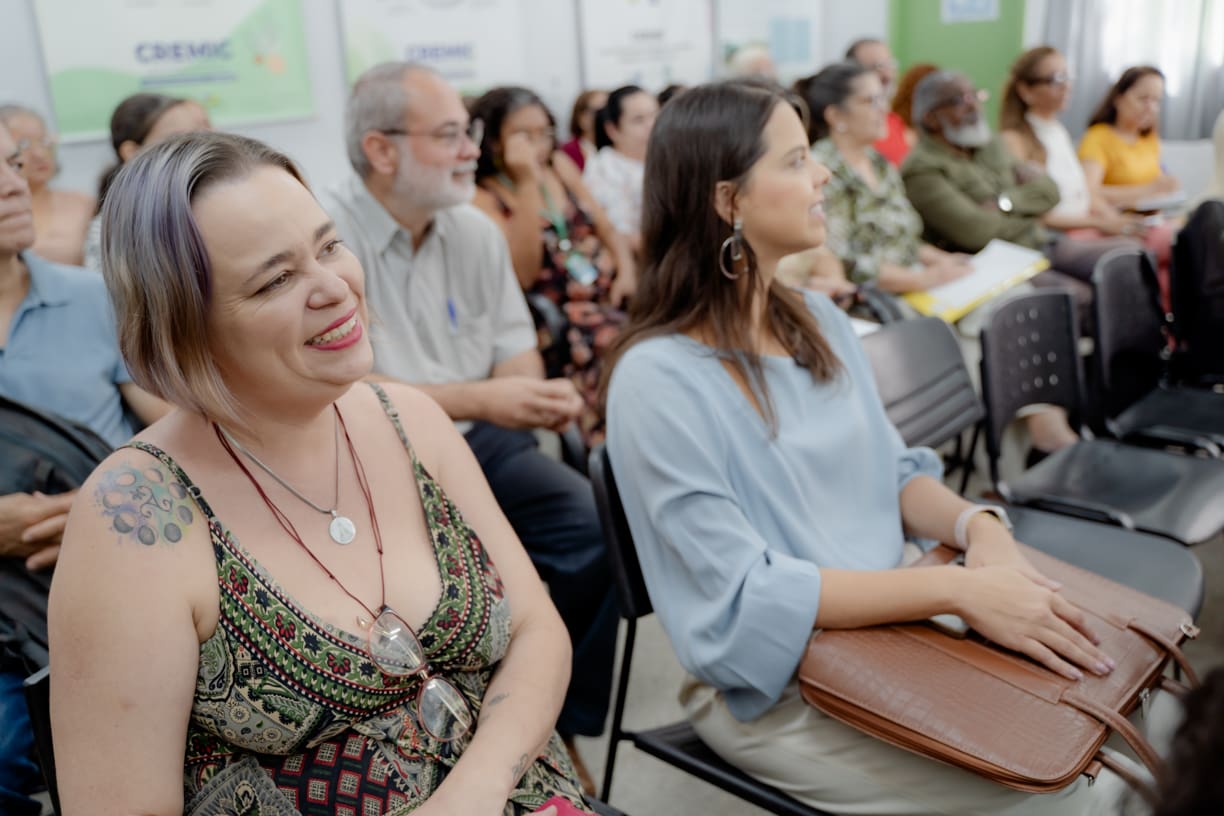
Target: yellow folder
(998, 267)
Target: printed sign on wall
(651, 43)
(244, 60)
(474, 44)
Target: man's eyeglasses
(451, 136)
(47, 143)
(890, 65)
(966, 99)
(394, 648)
(1060, 78)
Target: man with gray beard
(449, 318)
(969, 189)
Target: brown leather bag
(975, 705)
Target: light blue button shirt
(732, 526)
(62, 350)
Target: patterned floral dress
(592, 322)
(291, 717)
(866, 227)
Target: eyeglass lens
(395, 650)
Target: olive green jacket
(957, 196)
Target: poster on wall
(244, 60)
(788, 29)
(968, 11)
(646, 42)
(474, 44)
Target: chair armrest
(1159, 436)
(573, 449)
(1079, 507)
(883, 305)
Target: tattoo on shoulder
(520, 768)
(492, 701)
(146, 505)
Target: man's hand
(526, 403)
(31, 525)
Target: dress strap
(178, 473)
(393, 414)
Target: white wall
(317, 143)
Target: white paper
(997, 267)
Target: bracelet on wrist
(961, 530)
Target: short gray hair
(930, 92)
(379, 101)
(157, 270)
(11, 111)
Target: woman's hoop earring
(735, 243)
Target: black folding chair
(926, 389)
(905, 356)
(1140, 405)
(676, 744)
(38, 701)
(1196, 289)
(1029, 356)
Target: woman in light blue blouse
(767, 493)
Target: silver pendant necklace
(341, 529)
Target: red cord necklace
(288, 527)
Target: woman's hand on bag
(992, 545)
(1020, 609)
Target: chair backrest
(1128, 340)
(38, 701)
(38, 452)
(630, 587)
(1197, 291)
(923, 382)
(1029, 356)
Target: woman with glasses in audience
(1120, 150)
(768, 494)
(561, 243)
(142, 120)
(1038, 88)
(312, 602)
(61, 217)
(581, 145)
(614, 174)
(872, 228)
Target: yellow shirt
(1124, 162)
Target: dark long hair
(131, 121)
(492, 108)
(711, 133)
(1107, 112)
(611, 112)
(1012, 109)
(830, 87)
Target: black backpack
(43, 452)
(1197, 289)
